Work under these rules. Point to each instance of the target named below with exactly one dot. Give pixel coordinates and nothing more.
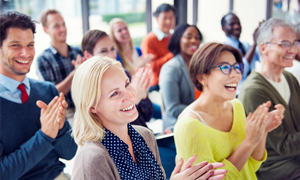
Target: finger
(41, 105)
(65, 104)
(54, 112)
(62, 96)
(217, 165)
(189, 162)
(50, 105)
(268, 104)
(219, 171)
(217, 177)
(177, 167)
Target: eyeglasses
(287, 44)
(226, 68)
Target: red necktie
(24, 95)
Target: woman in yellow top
(214, 126)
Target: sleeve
(157, 62)
(44, 70)
(190, 139)
(93, 166)
(139, 51)
(280, 139)
(118, 58)
(169, 80)
(19, 162)
(64, 143)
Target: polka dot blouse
(146, 168)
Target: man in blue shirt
(57, 63)
(33, 135)
(232, 27)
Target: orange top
(159, 49)
(197, 93)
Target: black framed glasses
(226, 68)
(287, 44)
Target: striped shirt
(53, 67)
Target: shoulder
(150, 37)
(144, 132)
(44, 88)
(76, 49)
(44, 55)
(173, 63)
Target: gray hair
(265, 31)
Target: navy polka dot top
(146, 168)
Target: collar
(54, 51)
(232, 41)
(12, 84)
(159, 34)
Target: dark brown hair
(14, 20)
(45, 14)
(90, 39)
(206, 57)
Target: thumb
(73, 62)
(177, 167)
(41, 105)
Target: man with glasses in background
(278, 47)
(57, 63)
(33, 135)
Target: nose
(233, 73)
(24, 51)
(129, 94)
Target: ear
(202, 79)
(263, 48)
(93, 110)
(45, 29)
(87, 55)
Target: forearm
(250, 53)
(259, 151)
(65, 85)
(241, 155)
(19, 162)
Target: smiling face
(220, 85)
(105, 47)
(190, 41)
(275, 55)
(121, 32)
(17, 53)
(56, 28)
(117, 102)
(166, 21)
(232, 27)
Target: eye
(113, 49)
(127, 84)
(15, 45)
(225, 66)
(105, 51)
(114, 94)
(31, 45)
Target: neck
(211, 104)
(186, 58)
(61, 47)
(270, 71)
(120, 130)
(126, 47)
(19, 78)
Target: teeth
(231, 89)
(288, 57)
(233, 85)
(23, 62)
(128, 108)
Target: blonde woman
(112, 148)
(129, 56)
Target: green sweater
(193, 137)
(283, 143)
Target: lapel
(186, 74)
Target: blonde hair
(86, 93)
(117, 44)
